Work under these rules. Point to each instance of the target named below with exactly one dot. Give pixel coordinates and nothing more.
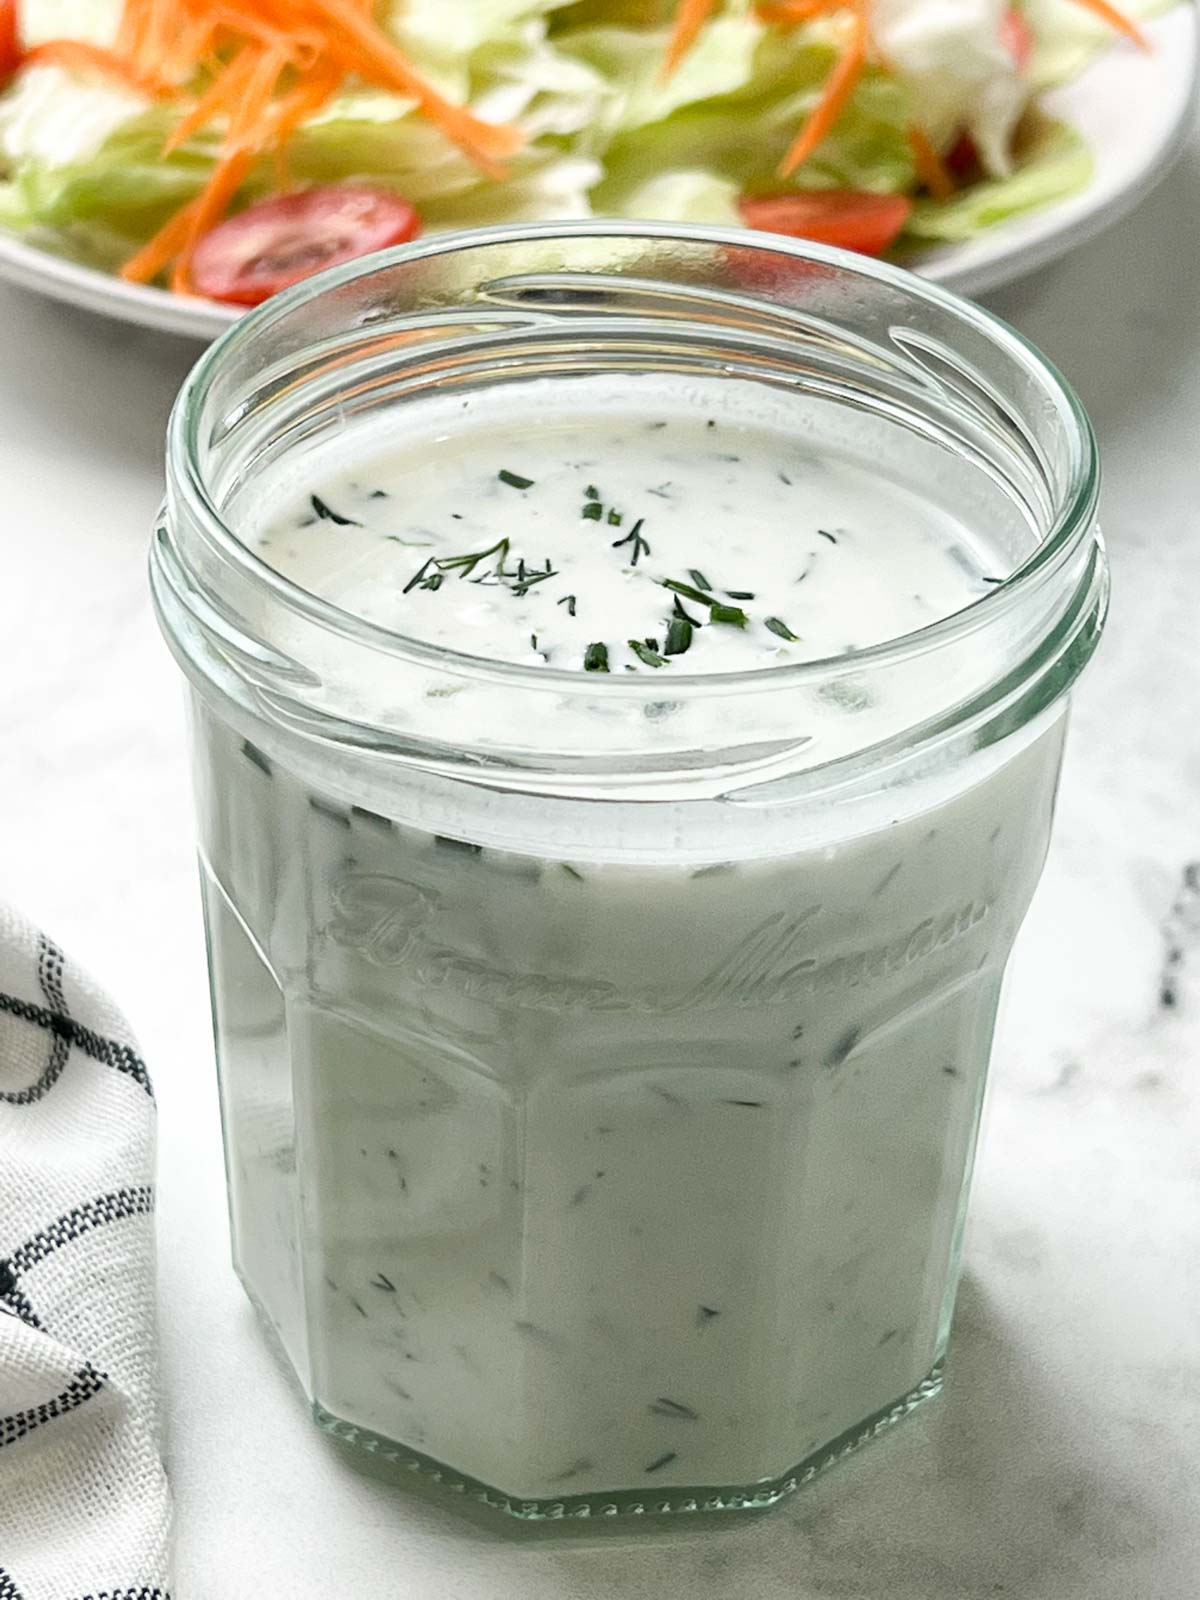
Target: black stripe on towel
(112, 1053)
(86, 1383)
(96, 1213)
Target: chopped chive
(991, 580)
(664, 1407)
(705, 1315)
(682, 614)
(330, 515)
(615, 519)
(698, 579)
(740, 594)
(591, 492)
(777, 625)
(679, 636)
(595, 658)
(643, 652)
(571, 872)
(686, 589)
(378, 494)
(661, 1461)
(592, 511)
(732, 614)
(567, 600)
(514, 479)
(825, 534)
(634, 537)
(383, 1282)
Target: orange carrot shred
(689, 19)
(77, 56)
(838, 88)
(384, 62)
(214, 102)
(931, 169)
(793, 11)
(1116, 19)
(258, 70)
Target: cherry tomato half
(852, 218)
(273, 244)
(10, 40)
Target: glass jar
(600, 1097)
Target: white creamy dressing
(531, 538)
(575, 1168)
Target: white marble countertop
(1064, 1461)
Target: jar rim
(1070, 523)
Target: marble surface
(1064, 1461)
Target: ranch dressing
(671, 542)
(574, 1170)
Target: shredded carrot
(931, 169)
(76, 56)
(364, 46)
(839, 87)
(227, 178)
(689, 19)
(160, 251)
(793, 11)
(259, 69)
(1116, 19)
(216, 100)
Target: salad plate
(1155, 92)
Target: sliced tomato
(1017, 36)
(10, 40)
(852, 218)
(269, 246)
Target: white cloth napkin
(84, 1504)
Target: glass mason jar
(600, 1092)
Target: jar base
(629, 1503)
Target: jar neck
(922, 373)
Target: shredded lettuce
(1067, 36)
(1053, 163)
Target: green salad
(229, 149)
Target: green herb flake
(779, 626)
(699, 579)
(615, 519)
(328, 514)
(688, 592)
(595, 658)
(514, 479)
(634, 538)
(679, 636)
(644, 653)
(592, 511)
(567, 600)
(731, 614)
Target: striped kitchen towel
(84, 1505)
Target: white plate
(1133, 109)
